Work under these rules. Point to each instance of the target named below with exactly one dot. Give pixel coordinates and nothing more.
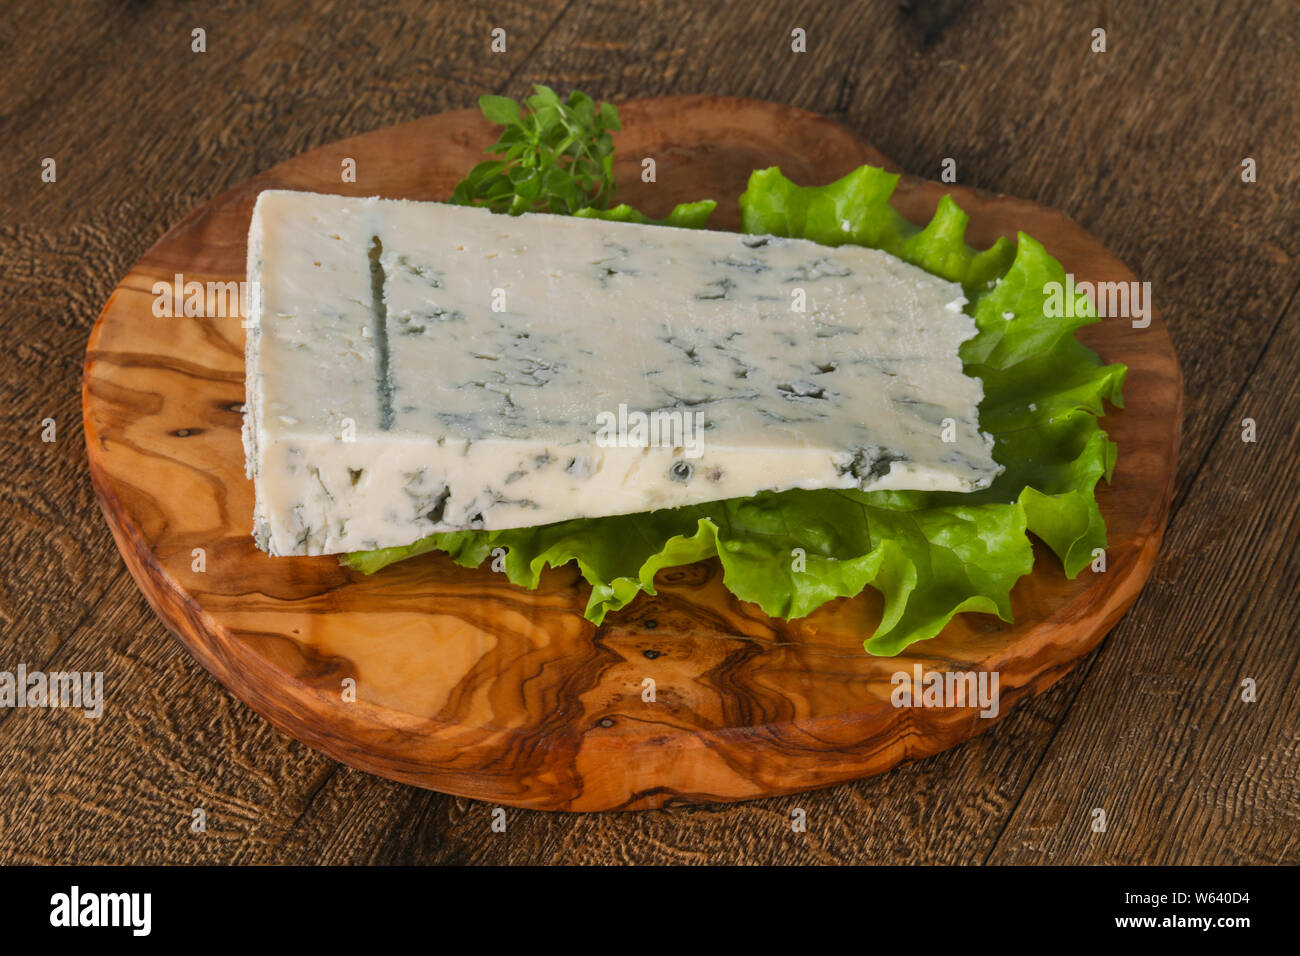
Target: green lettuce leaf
(687, 215)
(931, 555)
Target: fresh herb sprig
(554, 156)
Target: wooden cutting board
(469, 685)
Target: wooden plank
(122, 788)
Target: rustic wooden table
(1143, 144)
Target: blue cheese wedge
(419, 367)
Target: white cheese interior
(421, 367)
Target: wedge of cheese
(421, 367)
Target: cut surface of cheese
(417, 367)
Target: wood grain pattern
(469, 685)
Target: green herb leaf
(553, 155)
(501, 110)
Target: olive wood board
(469, 685)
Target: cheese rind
(421, 367)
